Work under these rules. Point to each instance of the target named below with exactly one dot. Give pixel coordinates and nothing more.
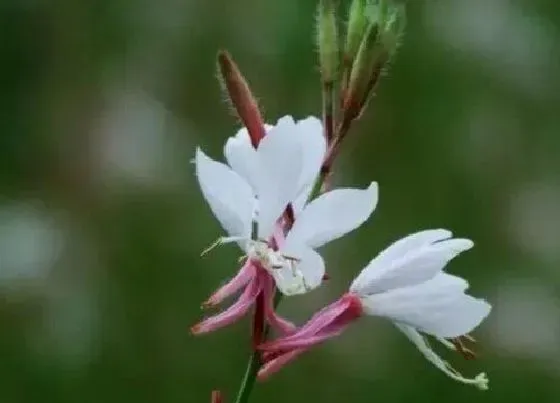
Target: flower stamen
(480, 381)
(222, 241)
(460, 347)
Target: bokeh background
(102, 103)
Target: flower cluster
(264, 199)
(273, 198)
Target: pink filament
(245, 274)
(326, 324)
(233, 313)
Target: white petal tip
(454, 246)
(479, 310)
(285, 120)
(201, 160)
(441, 233)
(199, 154)
(374, 187)
(461, 244)
(373, 190)
(313, 118)
(312, 122)
(485, 309)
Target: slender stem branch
(249, 378)
(253, 365)
(332, 152)
(328, 110)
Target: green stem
(253, 365)
(328, 110)
(249, 378)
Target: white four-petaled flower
(406, 284)
(282, 170)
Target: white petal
(480, 381)
(302, 198)
(438, 307)
(314, 145)
(288, 281)
(229, 196)
(242, 158)
(302, 272)
(310, 133)
(332, 215)
(466, 314)
(285, 123)
(413, 242)
(312, 267)
(280, 162)
(418, 262)
(242, 134)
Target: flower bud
(216, 397)
(327, 40)
(241, 97)
(379, 43)
(394, 24)
(357, 24)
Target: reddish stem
(258, 320)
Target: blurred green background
(102, 103)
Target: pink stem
(258, 320)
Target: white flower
(279, 171)
(240, 153)
(406, 284)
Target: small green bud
(378, 45)
(357, 25)
(393, 27)
(369, 53)
(327, 40)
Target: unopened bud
(379, 43)
(369, 55)
(327, 40)
(393, 27)
(355, 29)
(216, 397)
(241, 97)
(357, 25)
